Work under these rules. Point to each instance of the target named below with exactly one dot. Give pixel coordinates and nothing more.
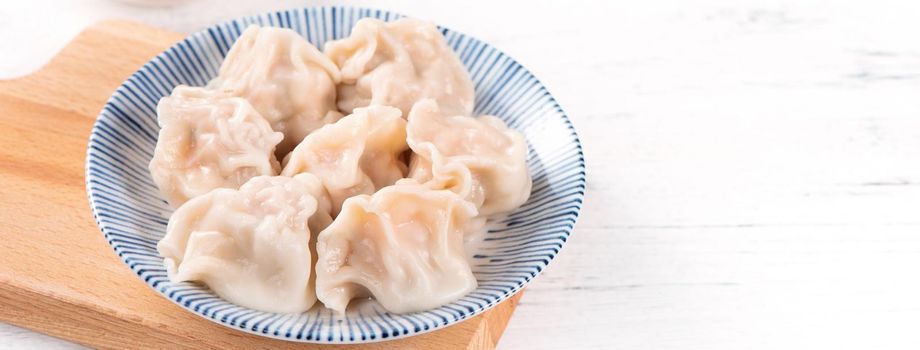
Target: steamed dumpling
(357, 155)
(480, 159)
(289, 81)
(209, 140)
(398, 63)
(403, 245)
(251, 246)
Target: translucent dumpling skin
(289, 81)
(357, 155)
(251, 246)
(209, 140)
(402, 245)
(398, 63)
(386, 202)
(480, 158)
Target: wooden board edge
(19, 306)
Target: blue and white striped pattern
(133, 216)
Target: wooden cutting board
(57, 274)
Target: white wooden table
(753, 167)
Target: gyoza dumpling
(402, 245)
(398, 63)
(480, 159)
(289, 81)
(251, 246)
(209, 140)
(357, 155)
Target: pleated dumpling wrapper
(398, 63)
(479, 158)
(251, 246)
(359, 154)
(209, 140)
(402, 245)
(288, 80)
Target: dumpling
(480, 159)
(251, 246)
(402, 245)
(289, 81)
(357, 155)
(398, 63)
(209, 140)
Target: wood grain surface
(57, 274)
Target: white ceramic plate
(133, 216)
